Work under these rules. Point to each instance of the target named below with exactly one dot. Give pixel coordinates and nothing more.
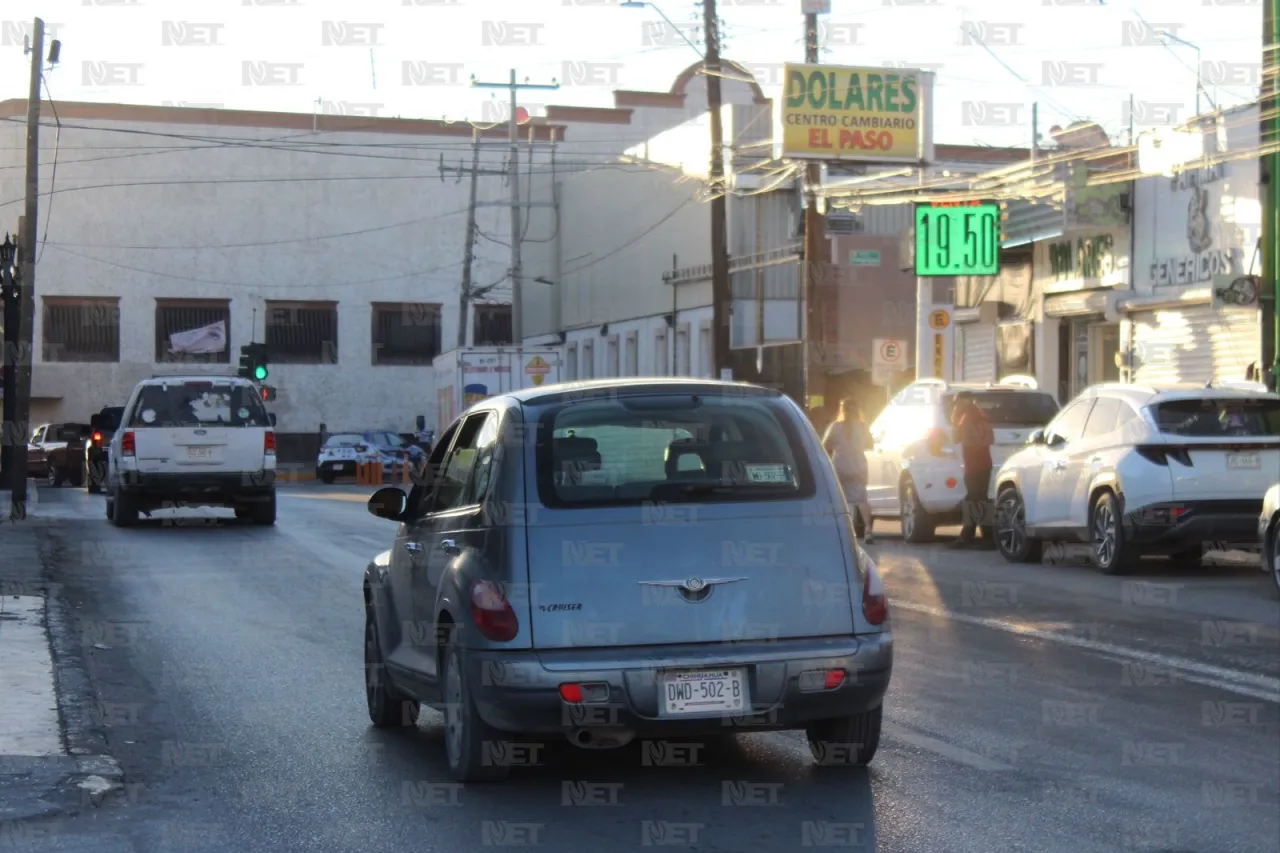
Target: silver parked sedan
(626, 558)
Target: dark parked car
(343, 452)
(103, 425)
(626, 558)
(61, 447)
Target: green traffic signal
(260, 373)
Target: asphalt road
(1032, 709)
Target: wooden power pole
(464, 295)
(22, 411)
(721, 291)
(815, 257)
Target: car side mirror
(388, 502)
(271, 418)
(1036, 437)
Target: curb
(87, 776)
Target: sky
(1078, 59)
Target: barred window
(405, 332)
(492, 325)
(81, 329)
(302, 332)
(193, 316)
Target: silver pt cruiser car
(626, 558)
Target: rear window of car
(669, 449)
(1011, 408)
(111, 417)
(346, 439)
(1208, 418)
(199, 404)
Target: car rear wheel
(466, 735)
(848, 741)
(1011, 529)
(327, 477)
(1274, 552)
(263, 513)
(124, 510)
(918, 526)
(388, 708)
(1111, 553)
(54, 476)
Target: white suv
(193, 441)
(1133, 469)
(914, 470)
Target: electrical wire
(53, 178)
(633, 240)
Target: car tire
(1108, 548)
(918, 526)
(388, 707)
(849, 741)
(1011, 529)
(1273, 551)
(263, 513)
(54, 476)
(327, 477)
(124, 510)
(92, 484)
(466, 735)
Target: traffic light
(253, 362)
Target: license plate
(704, 691)
(199, 452)
(1242, 461)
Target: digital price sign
(957, 238)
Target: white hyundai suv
(193, 441)
(914, 469)
(1139, 470)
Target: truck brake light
(269, 443)
(127, 447)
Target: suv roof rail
(1020, 380)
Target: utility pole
(721, 292)
(1269, 135)
(517, 273)
(12, 352)
(30, 225)
(464, 297)
(815, 252)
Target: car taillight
(97, 438)
(269, 443)
(127, 447)
(875, 604)
(492, 612)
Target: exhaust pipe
(601, 738)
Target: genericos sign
(835, 112)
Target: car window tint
(1070, 424)
(1007, 408)
(1214, 417)
(451, 490)
(632, 450)
(199, 404)
(1103, 419)
(425, 480)
(482, 470)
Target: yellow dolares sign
(833, 112)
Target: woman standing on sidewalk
(846, 440)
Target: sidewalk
(52, 762)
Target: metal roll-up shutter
(979, 347)
(1194, 344)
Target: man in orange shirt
(973, 433)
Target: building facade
(1197, 232)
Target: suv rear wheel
(466, 734)
(1111, 553)
(918, 526)
(847, 741)
(263, 513)
(123, 509)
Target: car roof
(1147, 395)
(597, 387)
(170, 379)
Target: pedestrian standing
(847, 440)
(974, 435)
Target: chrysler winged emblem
(694, 588)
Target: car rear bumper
(1226, 522)
(518, 691)
(213, 487)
